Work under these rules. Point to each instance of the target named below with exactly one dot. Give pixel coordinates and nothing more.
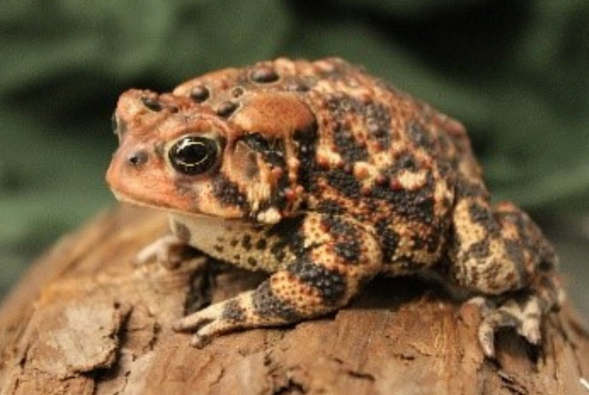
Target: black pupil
(193, 155)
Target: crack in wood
(291, 388)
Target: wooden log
(85, 320)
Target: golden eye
(194, 155)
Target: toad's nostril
(137, 158)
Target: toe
(166, 250)
(525, 317)
(190, 322)
(487, 340)
(531, 320)
(531, 331)
(494, 320)
(198, 341)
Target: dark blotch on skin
(414, 205)
(490, 275)
(479, 250)
(523, 226)
(378, 121)
(339, 228)
(264, 75)
(418, 241)
(405, 161)
(152, 104)
(181, 231)
(330, 206)
(287, 233)
(482, 216)
(287, 227)
(348, 239)
(389, 240)
(479, 214)
(434, 239)
(199, 93)
(246, 242)
(267, 304)
(261, 244)
(272, 151)
(306, 141)
(516, 255)
(278, 250)
(467, 189)
(349, 250)
(228, 193)
(348, 147)
(233, 312)
(419, 135)
(341, 105)
(344, 182)
(252, 262)
(546, 265)
(428, 241)
(330, 284)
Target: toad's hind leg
(330, 258)
(500, 254)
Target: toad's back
(374, 153)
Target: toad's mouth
(187, 205)
(126, 199)
(168, 208)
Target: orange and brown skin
(325, 177)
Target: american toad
(325, 176)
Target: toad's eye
(194, 155)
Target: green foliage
(516, 73)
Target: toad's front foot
(168, 250)
(212, 321)
(206, 323)
(524, 316)
(252, 309)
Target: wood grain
(86, 320)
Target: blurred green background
(515, 72)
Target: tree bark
(86, 320)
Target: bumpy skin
(325, 177)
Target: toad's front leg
(331, 258)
